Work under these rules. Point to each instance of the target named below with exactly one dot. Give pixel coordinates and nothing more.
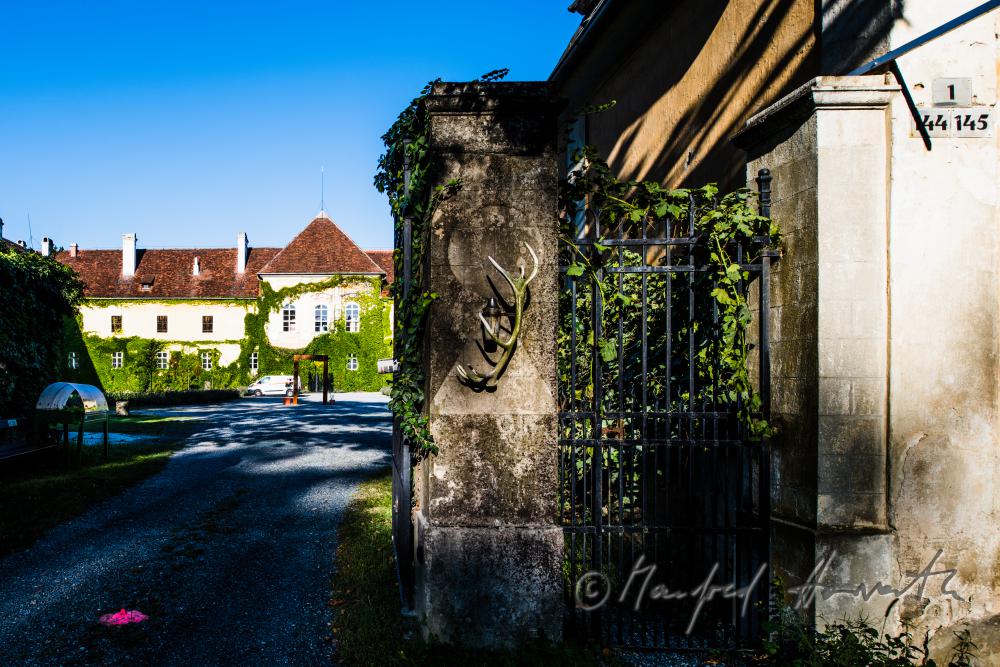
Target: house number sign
(952, 114)
(955, 122)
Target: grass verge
(369, 628)
(41, 490)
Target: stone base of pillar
(490, 587)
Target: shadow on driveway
(229, 550)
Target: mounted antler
(519, 286)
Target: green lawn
(42, 490)
(369, 629)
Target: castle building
(151, 308)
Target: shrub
(192, 397)
(36, 294)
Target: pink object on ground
(123, 617)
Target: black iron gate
(402, 460)
(664, 494)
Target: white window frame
(73, 362)
(288, 318)
(352, 362)
(352, 324)
(321, 315)
(254, 364)
(162, 360)
(117, 359)
(206, 361)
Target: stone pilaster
(827, 146)
(489, 550)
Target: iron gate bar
(402, 459)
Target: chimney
(74, 250)
(46, 247)
(242, 252)
(128, 254)
(197, 268)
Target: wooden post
(325, 385)
(295, 384)
(79, 441)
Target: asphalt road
(229, 549)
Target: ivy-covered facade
(219, 318)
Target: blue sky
(189, 122)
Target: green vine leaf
(712, 341)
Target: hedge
(160, 398)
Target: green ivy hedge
(36, 293)
(193, 397)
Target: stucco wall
(944, 431)
(335, 299)
(183, 322)
(904, 425)
(686, 76)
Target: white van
(273, 385)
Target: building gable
(322, 248)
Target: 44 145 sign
(955, 122)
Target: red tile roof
(170, 272)
(10, 245)
(322, 248)
(384, 259)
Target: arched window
(352, 362)
(322, 319)
(288, 317)
(352, 317)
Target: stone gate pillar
(488, 548)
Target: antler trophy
(519, 286)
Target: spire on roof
(322, 214)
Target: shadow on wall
(703, 69)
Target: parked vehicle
(273, 385)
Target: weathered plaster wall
(686, 76)
(902, 324)
(489, 551)
(944, 435)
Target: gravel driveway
(229, 550)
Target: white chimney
(196, 269)
(128, 254)
(74, 250)
(46, 247)
(242, 252)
